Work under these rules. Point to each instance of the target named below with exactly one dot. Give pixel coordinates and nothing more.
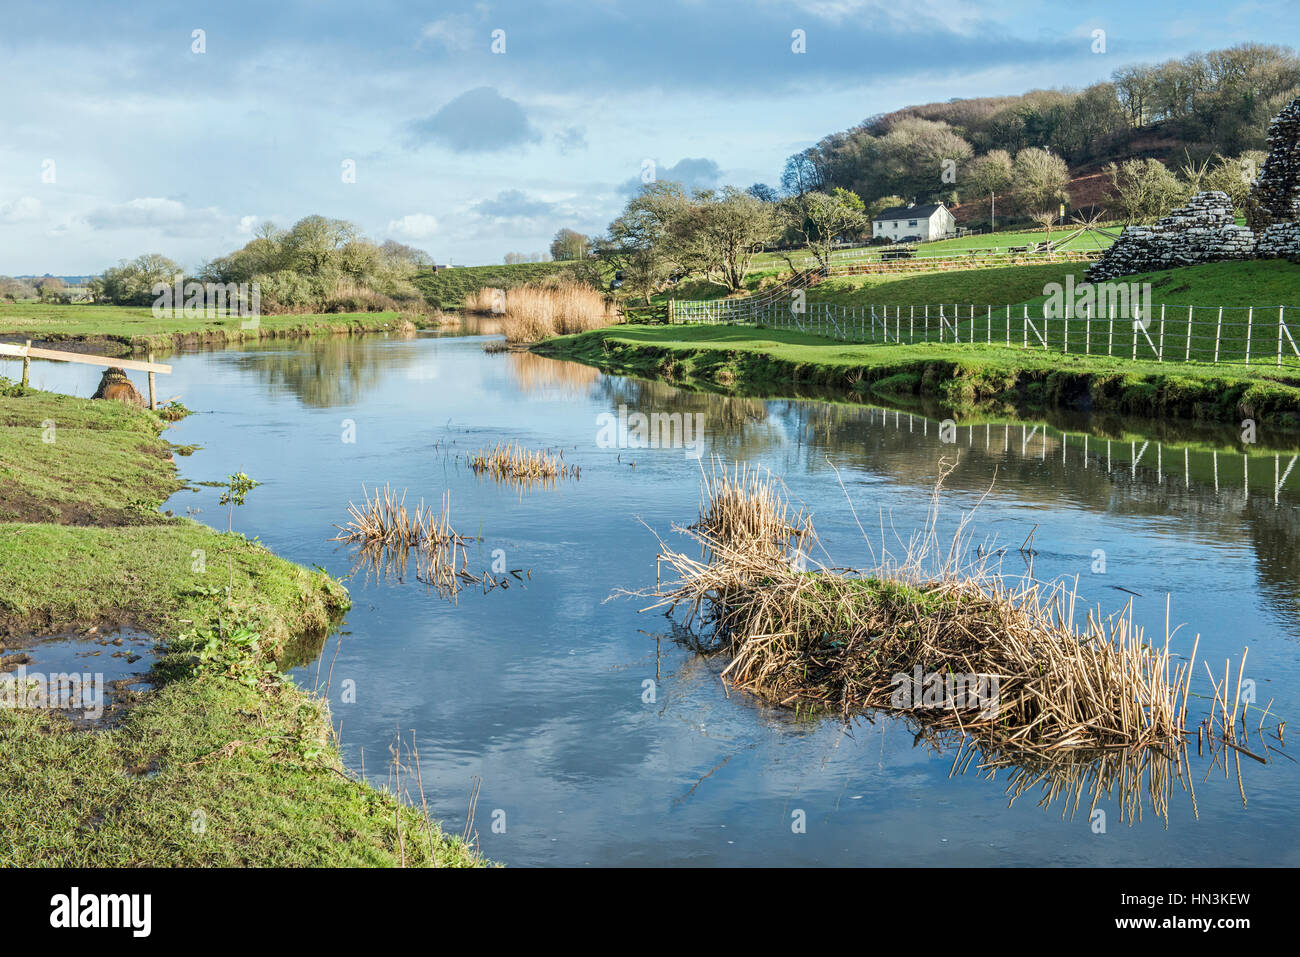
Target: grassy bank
(224, 761)
(965, 378)
(121, 330)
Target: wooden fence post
(153, 395)
(1218, 333)
(1250, 325)
(27, 364)
(1279, 335)
(1187, 354)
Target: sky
(475, 129)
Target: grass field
(224, 762)
(948, 247)
(135, 328)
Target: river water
(592, 737)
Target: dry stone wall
(1202, 231)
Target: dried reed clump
(842, 640)
(511, 462)
(387, 533)
(745, 508)
(536, 312)
(486, 301)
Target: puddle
(92, 680)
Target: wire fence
(1224, 335)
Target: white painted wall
(940, 224)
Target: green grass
(136, 329)
(967, 378)
(223, 739)
(946, 247)
(1001, 284)
(447, 288)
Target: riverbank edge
(312, 325)
(223, 762)
(973, 381)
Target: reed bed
(538, 311)
(486, 301)
(514, 463)
(844, 640)
(388, 532)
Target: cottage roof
(908, 212)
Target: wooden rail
(27, 352)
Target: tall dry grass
(536, 312)
(839, 638)
(486, 301)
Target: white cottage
(914, 223)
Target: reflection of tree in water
(327, 372)
(533, 373)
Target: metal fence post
(1218, 333)
(1187, 355)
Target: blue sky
(469, 153)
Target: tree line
(318, 264)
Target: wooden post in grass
(1110, 339)
(990, 325)
(1008, 325)
(1187, 355)
(1218, 333)
(153, 395)
(1161, 357)
(1087, 330)
(27, 363)
(1250, 325)
(1280, 313)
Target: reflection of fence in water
(1202, 466)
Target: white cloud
(413, 226)
(247, 224)
(25, 209)
(146, 211)
(455, 33)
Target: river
(595, 738)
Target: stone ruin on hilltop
(1201, 231)
(1204, 231)
(1275, 197)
